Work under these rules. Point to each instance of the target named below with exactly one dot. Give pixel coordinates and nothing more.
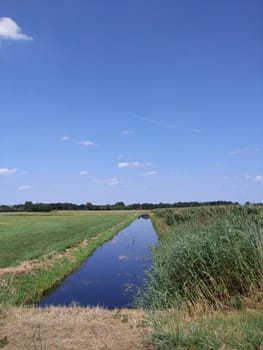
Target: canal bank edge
(29, 287)
(113, 276)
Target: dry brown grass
(77, 328)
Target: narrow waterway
(111, 275)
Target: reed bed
(209, 260)
(215, 260)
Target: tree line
(48, 207)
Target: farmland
(204, 289)
(39, 250)
(29, 236)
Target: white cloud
(135, 164)
(83, 172)
(128, 164)
(5, 171)
(109, 182)
(9, 30)
(150, 173)
(65, 138)
(258, 178)
(127, 132)
(24, 187)
(87, 143)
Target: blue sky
(131, 100)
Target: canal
(111, 276)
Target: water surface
(111, 275)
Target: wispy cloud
(235, 153)
(234, 177)
(25, 172)
(109, 182)
(24, 187)
(166, 124)
(9, 30)
(134, 164)
(65, 138)
(244, 150)
(150, 173)
(5, 171)
(121, 156)
(154, 121)
(127, 132)
(87, 143)
(83, 172)
(258, 178)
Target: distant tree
(28, 206)
(89, 206)
(119, 206)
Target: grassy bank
(214, 330)
(208, 265)
(39, 235)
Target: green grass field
(45, 238)
(29, 236)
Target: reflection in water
(111, 275)
(131, 258)
(87, 282)
(114, 240)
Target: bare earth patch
(73, 328)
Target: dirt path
(58, 328)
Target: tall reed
(212, 256)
